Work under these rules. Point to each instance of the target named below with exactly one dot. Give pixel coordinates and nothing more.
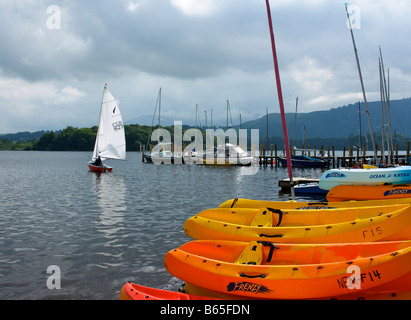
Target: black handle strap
(280, 213)
(256, 276)
(271, 236)
(319, 202)
(272, 247)
(234, 201)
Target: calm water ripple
(104, 230)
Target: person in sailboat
(98, 162)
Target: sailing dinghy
(110, 140)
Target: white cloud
(309, 75)
(133, 6)
(195, 7)
(335, 99)
(26, 106)
(38, 92)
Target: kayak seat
(252, 254)
(263, 218)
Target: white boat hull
(335, 177)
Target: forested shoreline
(82, 139)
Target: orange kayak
(381, 294)
(132, 291)
(369, 192)
(264, 270)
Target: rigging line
(154, 116)
(362, 83)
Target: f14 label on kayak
(357, 277)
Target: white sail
(110, 141)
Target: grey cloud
(202, 59)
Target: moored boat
(227, 155)
(309, 189)
(304, 161)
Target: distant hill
(23, 136)
(338, 122)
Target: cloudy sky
(56, 56)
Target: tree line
(75, 139)
(82, 139)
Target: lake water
(104, 230)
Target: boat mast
(227, 114)
(196, 115)
(362, 83)
(158, 103)
(295, 119)
(382, 113)
(266, 148)
(359, 120)
(390, 142)
(280, 100)
(231, 119)
(205, 115)
(159, 107)
(96, 150)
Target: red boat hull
(132, 291)
(103, 168)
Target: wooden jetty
(347, 159)
(269, 157)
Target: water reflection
(110, 194)
(103, 230)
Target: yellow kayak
(250, 203)
(361, 224)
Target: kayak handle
(257, 276)
(271, 236)
(319, 202)
(280, 214)
(272, 247)
(234, 201)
